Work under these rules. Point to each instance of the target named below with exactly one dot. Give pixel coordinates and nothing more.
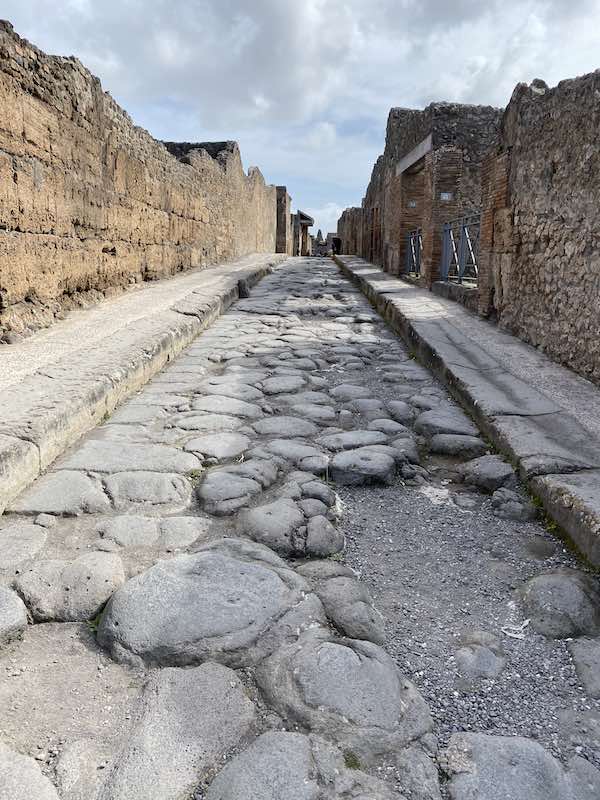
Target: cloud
(306, 87)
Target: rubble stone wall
(90, 203)
(543, 270)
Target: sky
(305, 86)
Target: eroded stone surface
(562, 603)
(362, 466)
(22, 778)
(70, 592)
(13, 617)
(65, 493)
(346, 600)
(20, 541)
(232, 602)
(185, 722)
(486, 767)
(488, 473)
(347, 690)
(290, 766)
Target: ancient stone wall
(349, 230)
(90, 203)
(543, 267)
(429, 173)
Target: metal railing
(460, 250)
(414, 252)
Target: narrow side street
(292, 568)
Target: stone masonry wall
(397, 202)
(90, 203)
(543, 267)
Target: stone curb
(50, 410)
(556, 457)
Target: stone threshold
(556, 456)
(69, 392)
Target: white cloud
(306, 87)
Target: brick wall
(90, 203)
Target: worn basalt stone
(348, 690)
(232, 601)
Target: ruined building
(497, 210)
(91, 204)
(429, 173)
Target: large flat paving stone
(346, 392)
(22, 779)
(98, 456)
(362, 466)
(185, 723)
(234, 389)
(282, 384)
(282, 425)
(147, 492)
(206, 422)
(231, 602)
(64, 493)
(304, 456)
(219, 404)
(317, 413)
(350, 440)
(70, 592)
(290, 766)
(19, 542)
(347, 690)
(224, 491)
(219, 445)
(486, 767)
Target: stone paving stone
(346, 600)
(19, 542)
(111, 457)
(65, 493)
(445, 420)
(219, 404)
(207, 422)
(148, 491)
(70, 592)
(362, 466)
(186, 723)
(232, 602)
(562, 604)
(219, 445)
(22, 778)
(347, 690)
(486, 767)
(13, 617)
(291, 766)
(488, 472)
(282, 425)
(351, 440)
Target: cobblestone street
(292, 568)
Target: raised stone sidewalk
(545, 418)
(62, 382)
